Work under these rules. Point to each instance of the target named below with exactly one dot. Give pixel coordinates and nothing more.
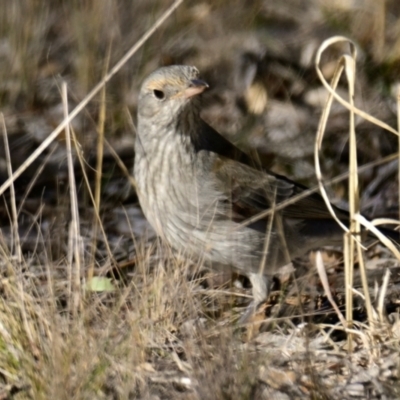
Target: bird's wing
(253, 189)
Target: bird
(197, 189)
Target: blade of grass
(15, 237)
(99, 166)
(76, 250)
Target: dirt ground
(93, 305)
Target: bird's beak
(196, 86)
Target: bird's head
(167, 91)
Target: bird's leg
(259, 285)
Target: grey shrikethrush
(197, 189)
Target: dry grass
(152, 335)
(159, 328)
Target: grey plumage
(196, 188)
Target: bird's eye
(159, 94)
